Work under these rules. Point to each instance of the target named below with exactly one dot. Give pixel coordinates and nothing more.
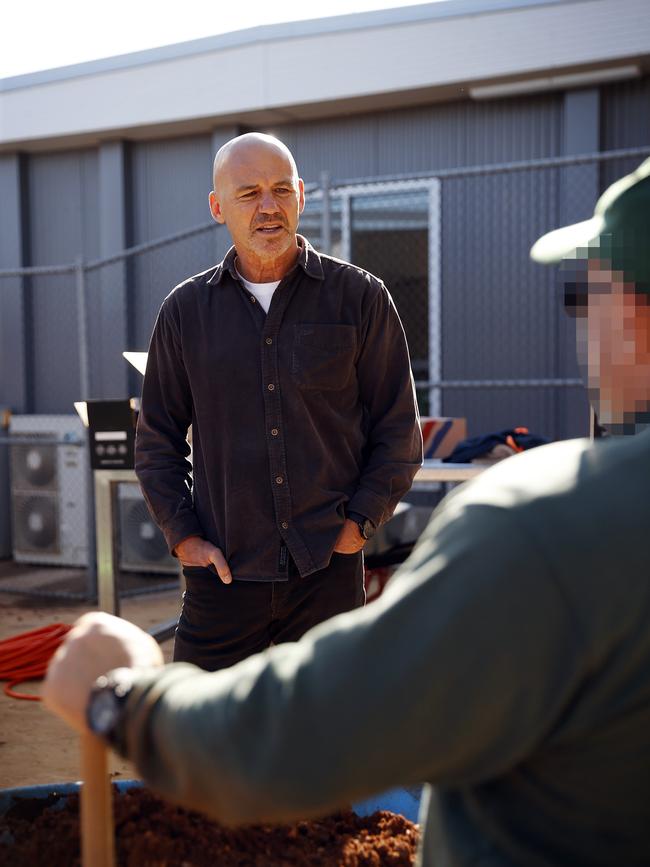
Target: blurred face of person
(259, 196)
(614, 348)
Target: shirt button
(269, 341)
(252, 299)
(270, 386)
(284, 525)
(274, 431)
(278, 480)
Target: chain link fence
(488, 339)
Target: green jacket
(507, 665)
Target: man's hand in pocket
(196, 551)
(349, 540)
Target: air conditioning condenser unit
(49, 477)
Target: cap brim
(563, 243)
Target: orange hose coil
(26, 656)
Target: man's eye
(248, 195)
(283, 190)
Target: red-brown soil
(152, 833)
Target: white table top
(437, 471)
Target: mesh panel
(389, 237)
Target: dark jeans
(221, 624)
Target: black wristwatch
(107, 702)
(366, 527)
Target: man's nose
(267, 202)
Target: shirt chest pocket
(323, 355)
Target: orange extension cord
(26, 656)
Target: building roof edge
(274, 32)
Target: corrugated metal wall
(63, 206)
(440, 136)
(624, 122)
(13, 297)
(467, 134)
(346, 147)
(170, 180)
(491, 295)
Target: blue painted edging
(9, 797)
(404, 801)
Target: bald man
(293, 370)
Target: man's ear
(215, 208)
(301, 198)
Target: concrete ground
(36, 747)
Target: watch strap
(366, 526)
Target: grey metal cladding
(624, 122)
(63, 206)
(10, 222)
(13, 387)
(171, 183)
(64, 224)
(107, 287)
(346, 147)
(625, 114)
(466, 133)
(433, 137)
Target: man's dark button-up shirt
(298, 416)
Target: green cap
(619, 231)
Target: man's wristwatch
(366, 527)
(107, 702)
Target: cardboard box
(442, 435)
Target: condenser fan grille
(34, 467)
(36, 524)
(141, 538)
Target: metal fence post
(326, 214)
(435, 295)
(82, 330)
(84, 385)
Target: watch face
(367, 529)
(103, 712)
(107, 701)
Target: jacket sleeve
(161, 447)
(453, 676)
(387, 391)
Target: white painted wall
(286, 71)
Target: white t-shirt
(262, 291)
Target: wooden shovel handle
(97, 832)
